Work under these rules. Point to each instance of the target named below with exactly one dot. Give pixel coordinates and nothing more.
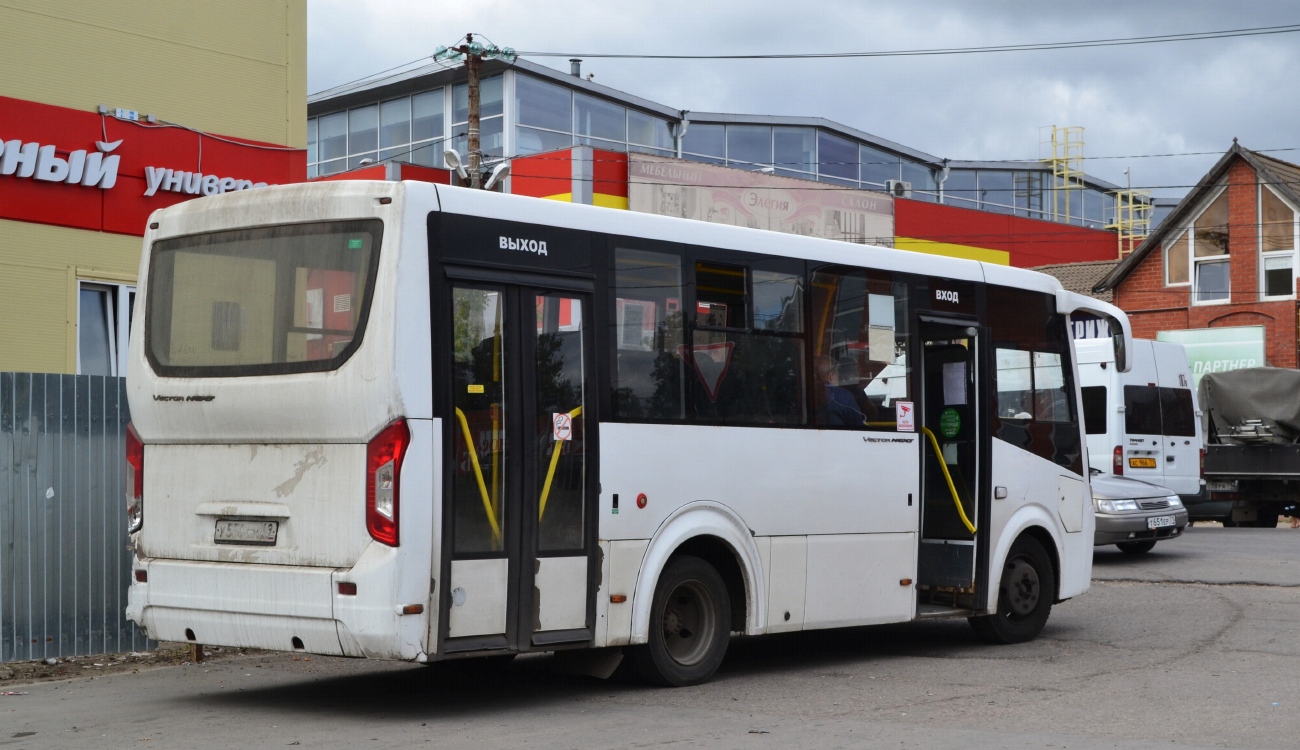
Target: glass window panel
(836, 157)
(363, 129)
(543, 104)
(1051, 402)
(428, 154)
(796, 175)
(1074, 196)
(705, 140)
(333, 167)
(1210, 233)
(922, 179)
(598, 118)
(962, 185)
(1029, 193)
(401, 153)
(280, 299)
(751, 144)
(395, 123)
(1014, 384)
(648, 150)
(618, 146)
(721, 300)
(311, 141)
(795, 148)
(427, 115)
(478, 479)
(859, 347)
(878, 166)
(778, 301)
(491, 140)
(1279, 222)
(561, 491)
(1279, 279)
(837, 181)
(1092, 208)
(1176, 260)
(94, 332)
(1108, 209)
(703, 159)
(1212, 281)
(744, 378)
(646, 130)
(489, 99)
(997, 191)
(1094, 409)
(533, 141)
(334, 136)
(647, 333)
(1177, 415)
(1142, 410)
(312, 171)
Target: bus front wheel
(1025, 595)
(690, 624)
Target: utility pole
(473, 53)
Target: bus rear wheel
(1025, 595)
(690, 624)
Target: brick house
(1225, 257)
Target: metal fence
(64, 565)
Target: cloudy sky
(1134, 101)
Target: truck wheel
(690, 624)
(1025, 595)
(1265, 520)
(1136, 548)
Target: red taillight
(1202, 463)
(1117, 463)
(383, 470)
(134, 480)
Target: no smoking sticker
(562, 426)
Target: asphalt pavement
(1194, 644)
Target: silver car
(1134, 515)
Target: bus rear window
(270, 300)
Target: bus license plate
(1160, 522)
(246, 532)
(1142, 463)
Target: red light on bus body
(1117, 464)
(134, 480)
(383, 471)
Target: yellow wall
(233, 67)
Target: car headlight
(1116, 506)
(1175, 501)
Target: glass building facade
(530, 109)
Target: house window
(103, 327)
(1199, 255)
(1277, 242)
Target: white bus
(406, 421)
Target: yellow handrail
(478, 474)
(550, 473)
(951, 487)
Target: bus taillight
(134, 480)
(1117, 463)
(383, 468)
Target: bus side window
(647, 332)
(859, 348)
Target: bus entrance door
(950, 417)
(519, 491)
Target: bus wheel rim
(1022, 587)
(689, 621)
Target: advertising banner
(726, 195)
(1219, 349)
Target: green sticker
(354, 244)
(950, 422)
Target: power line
(1031, 47)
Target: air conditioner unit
(898, 188)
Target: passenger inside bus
(840, 407)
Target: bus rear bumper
(280, 608)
